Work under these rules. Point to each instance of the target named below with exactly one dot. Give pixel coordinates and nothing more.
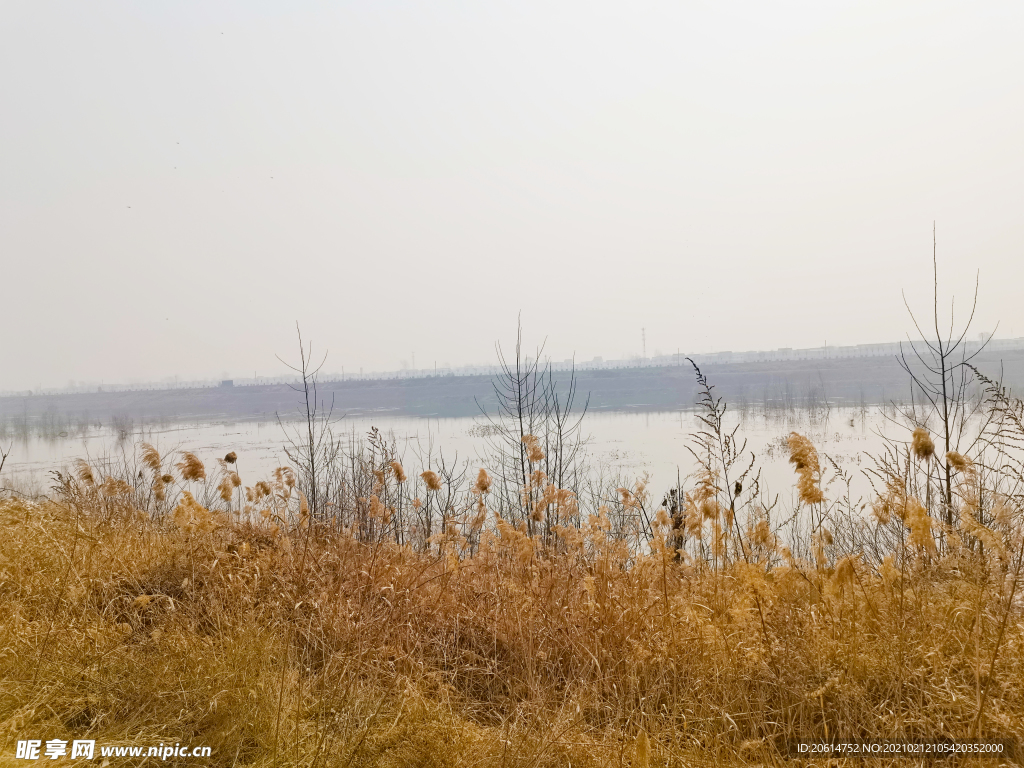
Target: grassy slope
(330, 652)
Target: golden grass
(278, 642)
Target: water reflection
(622, 444)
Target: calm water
(627, 444)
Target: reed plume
(662, 520)
(762, 536)
(534, 452)
(969, 524)
(958, 462)
(150, 457)
(190, 515)
(922, 445)
(376, 507)
(804, 457)
(920, 524)
(284, 477)
(432, 480)
(227, 489)
(191, 468)
(84, 472)
(116, 487)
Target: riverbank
(776, 384)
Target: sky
(183, 183)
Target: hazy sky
(181, 182)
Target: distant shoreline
(779, 384)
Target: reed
(627, 636)
(518, 610)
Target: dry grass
(153, 608)
(325, 650)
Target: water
(622, 444)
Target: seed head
(376, 507)
(762, 534)
(84, 472)
(804, 457)
(483, 482)
(845, 572)
(226, 489)
(958, 462)
(432, 480)
(150, 457)
(533, 450)
(922, 444)
(920, 525)
(191, 467)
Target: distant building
(228, 383)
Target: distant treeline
(774, 385)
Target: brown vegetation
(346, 611)
(608, 637)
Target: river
(620, 443)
